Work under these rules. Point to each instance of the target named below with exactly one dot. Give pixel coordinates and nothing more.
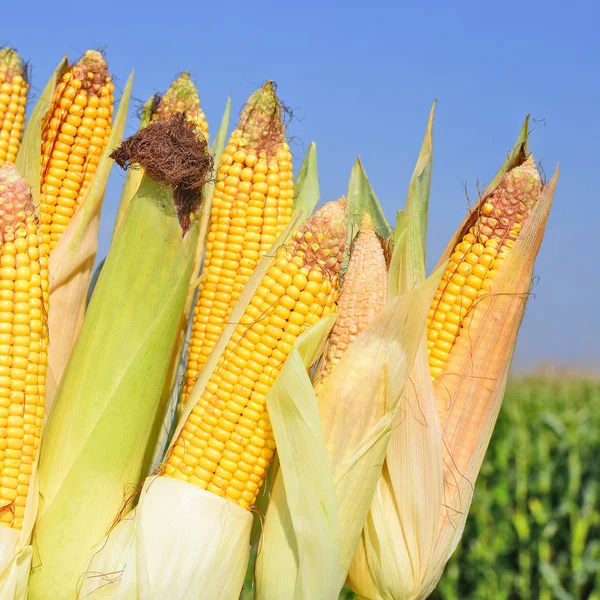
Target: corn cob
(363, 296)
(74, 136)
(477, 258)
(23, 342)
(227, 443)
(13, 97)
(182, 96)
(251, 206)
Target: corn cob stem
(13, 97)
(251, 207)
(227, 444)
(74, 136)
(23, 342)
(363, 296)
(477, 258)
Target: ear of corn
(13, 98)
(98, 429)
(72, 261)
(252, 205)
(437, 447)
(201, 518)
(23, 363)
(75, 132)
(227, 444)
(363, 295)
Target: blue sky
(361, 78)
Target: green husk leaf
(361, 197)
(72, 261)
(306, 186)
(29, 157)
(411, 260)
(97, 432)
(310, 494)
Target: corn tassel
(23, 342)
(363, 296)
(75, 133)
(227, 444)
(13, 98)
(251, 207)
(477, 258)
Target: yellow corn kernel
(24, 352)
(251, 207)
(13, 98)
(74, 136)
(477, 258)
(234, 455)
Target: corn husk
(118, 556)
(95, 441)
(314, 519)
(72, 261)
(435, 453)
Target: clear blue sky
(362, 76)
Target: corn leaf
(29, 158)
(98, 429)
(72, 261)
(361, 197)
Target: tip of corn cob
(16, 201)
(92, 70)
(363, 296)
(11, 62)
(322, 238)
(182, 96)
(261, 125)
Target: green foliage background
(533, 531)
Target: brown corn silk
(227, 444)
(363, 296)
(251, 207)
(75, 132)
(23, 342)
(484, 245)
(182, 97)
(13, 98)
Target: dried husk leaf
(72, 261)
